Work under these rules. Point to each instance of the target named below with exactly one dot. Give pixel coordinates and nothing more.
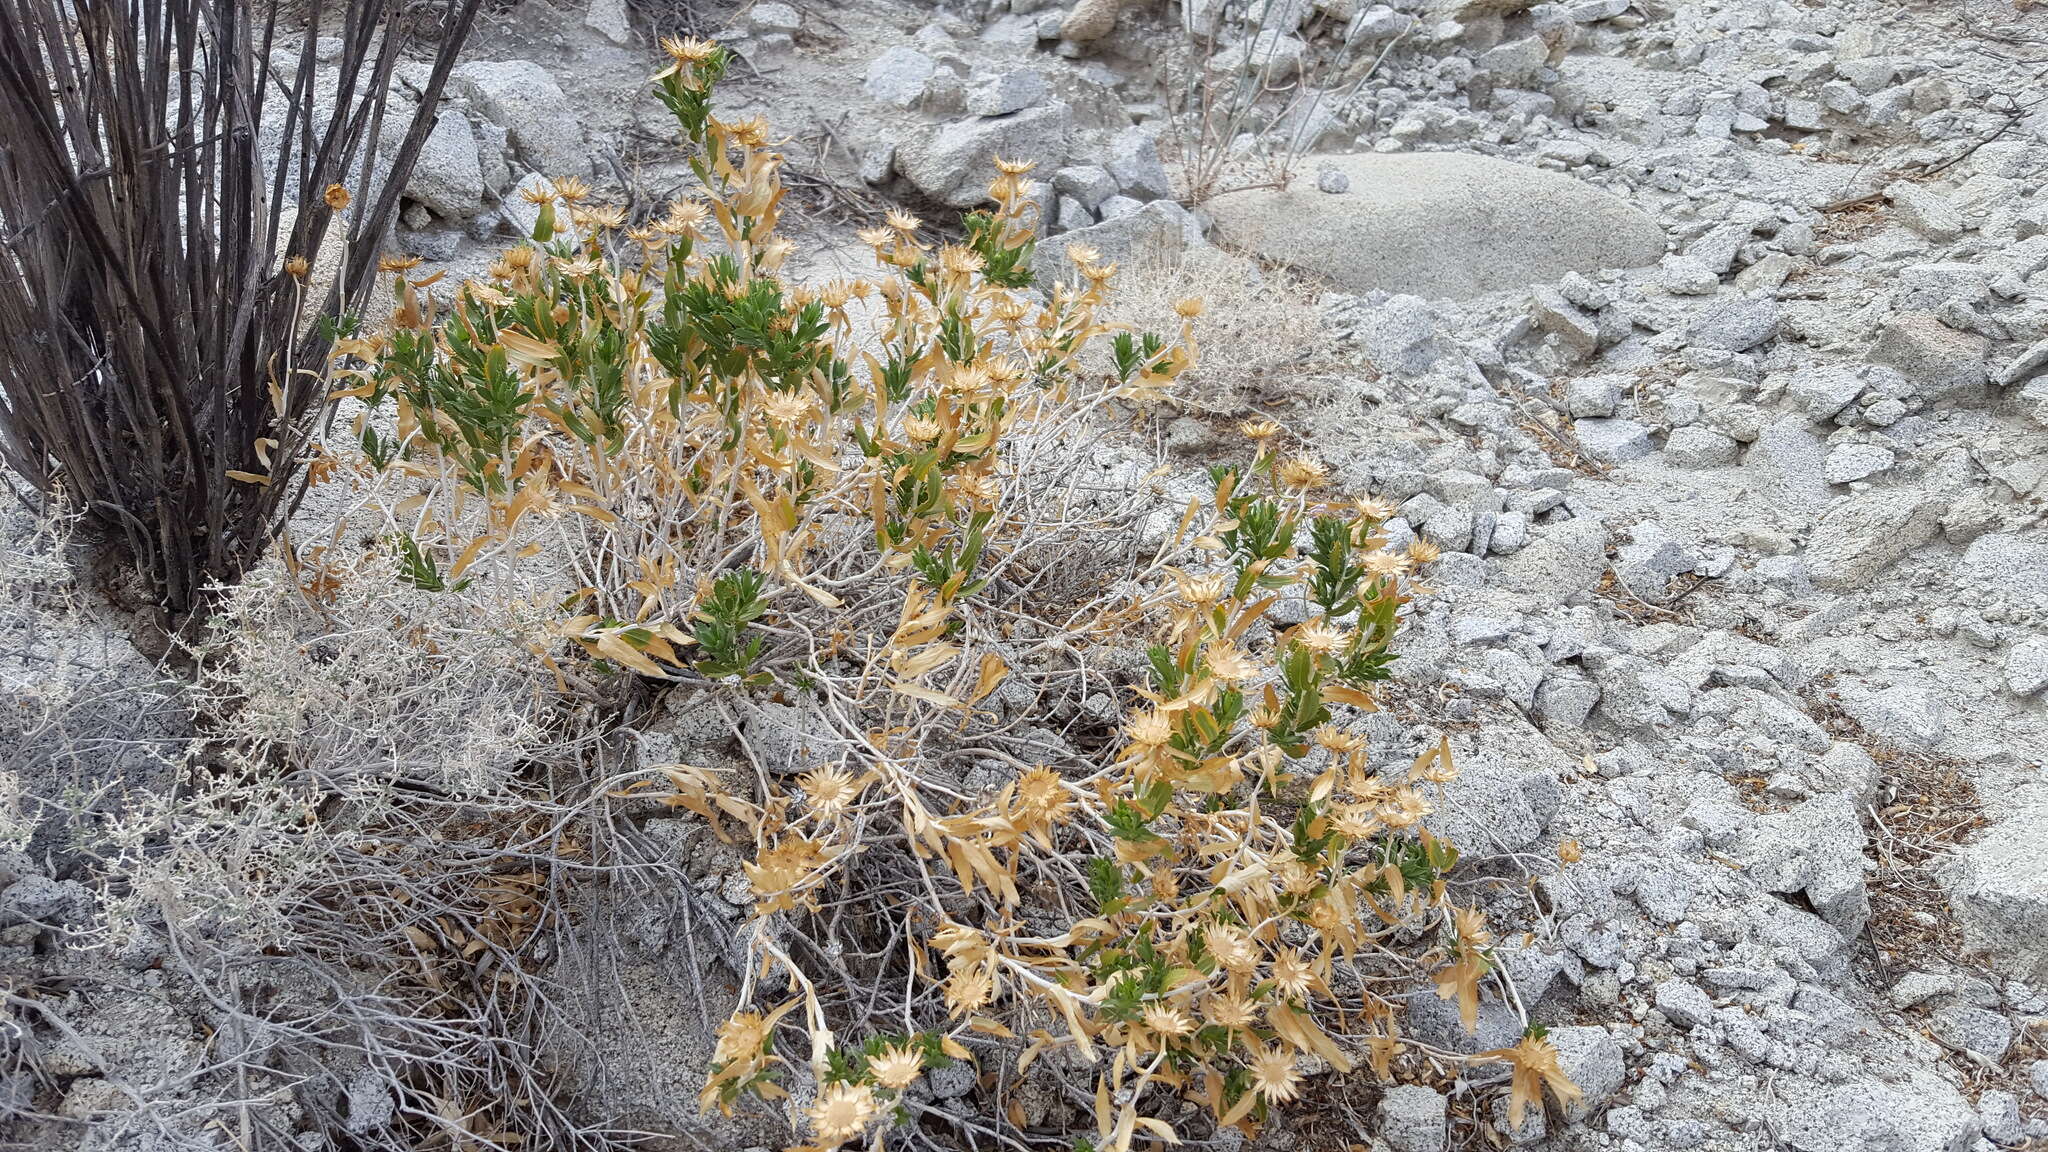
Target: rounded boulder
(1437, 224)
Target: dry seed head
(1202, 590)
(743, 1037)
(572, 189)
(391, 262)
(1259, 430)
(1230, 1011)
(1303, 472)
(336, 197)
(1188, 308)
(1422, 551)
(1150, 729)
(296, 267)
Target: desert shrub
(1238, 118)
(154, 271)
(878, 506)
(1260, 328)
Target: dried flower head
(336, 197)
(896, 1067)
(1303, 472)
(1274, 1075)
(842, 1112)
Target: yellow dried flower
(1291, 974)
(336, 197)
(688, 49)
(842, 1111)
(1167, 1021)
(1303, 472)
(1422, 551)
(1260, 430)
(1228, 663)
(830, 791)
(1233, 950)
(1230, 1011)
(896, 1067)
(296, 267)
(1321, 637)
(1274, 1076)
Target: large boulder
(1437, 224)
(1998, 887)
(956, 164)
(448, 177)
(1140, 243)
(522, 98)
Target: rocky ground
(1709, 340)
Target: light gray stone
(769, 17)
(1980, 1030)
(2025, 365)
(448, 178)
(1592, 1059)
(1697, 447)
(1791, 461)
(1154, 235)
(1091, 184)
(900, 76)
(522, 98)
(608, 19)
(1271, 55)
(1613, 441)
(1997, 885)
(1847, 463)
(1560, 562)
(1938, 362)
(955, 164)
(1846, 768)
(1647, 564)
(1414, 1118)
(1925, 211)
(1682, 1003)
(1011, 91)
(2026, 667)
(1594, 395)
(1684, 275)
(1864, 535)
(1133, 160)
(1738, 325)
(1821, 390)
(1438, 224)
